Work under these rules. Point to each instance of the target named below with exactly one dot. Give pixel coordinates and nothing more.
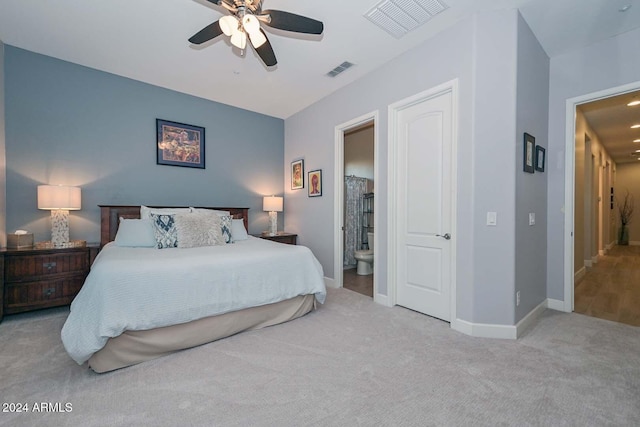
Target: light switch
(492, 218)
(532, 218)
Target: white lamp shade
(53, 197)
(272, 204)
(228, 24)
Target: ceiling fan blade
(207, 33)
(265, 52)
(292, 22)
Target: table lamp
(59, 199)
(273, 205)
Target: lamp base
(273, 218)
(59, 228)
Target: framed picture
(540, 158)
(297, 174)
(529, 153)
(315, 183)
(179, 144)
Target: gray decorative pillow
(225, 226)
(164, 228)
(198, 230)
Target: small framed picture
(179, 144)
(315, 183)
(540, 157)
(529, 153)
(297, 174)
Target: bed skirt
(133, 347)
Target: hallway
(611, 288)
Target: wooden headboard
(110, 218)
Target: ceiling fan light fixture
(257, 39)
(228, 24)
(250, 24)
(239, 39)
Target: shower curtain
(355, 188)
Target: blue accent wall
(72, 125)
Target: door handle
(446, 236)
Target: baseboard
(486, 330)
(330, 283)
(634, 243)
(594, 259)
(610, 245)
(579, 274)
(382, 300)
(555, 304)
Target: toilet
(365, 259)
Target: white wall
(587, 143)
(481, 53)
(531, 189)
(358, 153)
(601, 66)
(3, 157)
(310, 134)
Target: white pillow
(202, 210)
(135, 233)
(145, 212)
(238, 232)
(198, 230)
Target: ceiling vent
(398, 17)
(340, 68)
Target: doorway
(355, 219)
(599, 273)
(359, 197)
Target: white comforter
(142, 288)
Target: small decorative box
(19, 241)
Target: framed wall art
(179, 144)
(315, 183)
(540, 158)
(529, 153)
(297, 174)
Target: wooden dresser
(42, 278)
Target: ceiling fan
(244, 23)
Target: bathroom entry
(358, 211)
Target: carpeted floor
(350, 363)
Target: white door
(424, 139)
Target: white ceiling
(146, 40)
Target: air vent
(398, 17)
(340, 68)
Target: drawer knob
(49, 291)
(49, 265)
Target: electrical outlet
(517, 298)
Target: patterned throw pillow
(225, 225)
(164, 228)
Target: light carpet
(350, 363)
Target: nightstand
(40, 278)
(280, 237)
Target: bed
(140, 303)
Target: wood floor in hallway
(611, 288)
